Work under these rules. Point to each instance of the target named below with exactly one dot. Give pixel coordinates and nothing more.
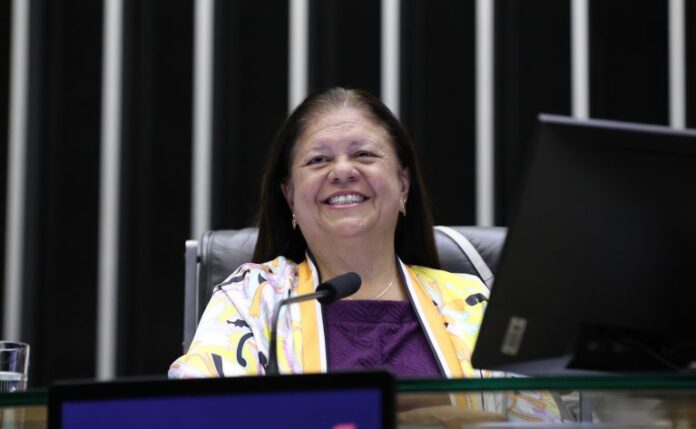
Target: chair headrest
(221, 252)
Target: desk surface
(644, 401)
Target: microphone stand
(272, 366)
(327, 292)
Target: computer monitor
(362, 400)
(598, 271)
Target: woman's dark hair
(414, 242)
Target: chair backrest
(462, 249)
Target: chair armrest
(190, 292)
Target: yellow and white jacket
(233, 335)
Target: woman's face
(345, 179)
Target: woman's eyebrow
(361, 143)
(317, 147)
(326, 147)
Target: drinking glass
(14, 366)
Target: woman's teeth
(346, 199)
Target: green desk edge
(613, 382)
(627, 382)
(31, 397)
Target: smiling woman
(346, 189)
(342, 192)
(329, 132)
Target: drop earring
(294, 222)
(403, 207)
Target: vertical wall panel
(109, 189)
(580, 58)
(532, 76)
(60, 285)
(202, 135)
(438, 100)
(251, 87)
(690, 22)
(485, 109)
(5, 30)
(157, 111)
(677, 63)
(298, 51)
(345, 44)
(629, 60)
(36, 112)
(390, 66)
(17, 138)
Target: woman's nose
(343, 171)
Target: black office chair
(462, 249)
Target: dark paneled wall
(438, 100)
(438, 108)
(629, 66)
(62, 189)
(251, 63)
(344, 46)
(532, 76)
(5, 39)
(156, 176)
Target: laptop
(359, 400)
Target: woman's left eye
(364, 153)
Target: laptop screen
(338, 401)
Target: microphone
(326, 293)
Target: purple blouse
(377, 335)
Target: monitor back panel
(604, 235)
(340, 401)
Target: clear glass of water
(14, 366)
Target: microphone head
(339, 287)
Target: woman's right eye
(317, 160)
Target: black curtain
(155, 181)
(59, 284)
(532, 76)
(251, 63)
(438, 101)
(629, 71)
(629, 63)
(344, 44)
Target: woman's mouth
(345, 199)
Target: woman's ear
(288, 193)
(405, 178)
